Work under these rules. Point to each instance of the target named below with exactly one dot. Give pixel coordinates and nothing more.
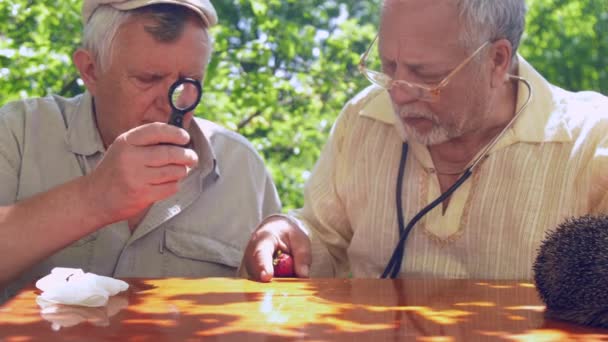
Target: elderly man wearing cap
(102, 182)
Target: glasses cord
(394, 264)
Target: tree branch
(247, 120)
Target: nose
(162, 99)
(399, 93)
(401, 96)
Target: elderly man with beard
(454, 163)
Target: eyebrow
(195, 75)
(147, 73)
(139, 70)
(415, 67)
(421, 67)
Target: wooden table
(308, 310)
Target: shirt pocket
(201, 248)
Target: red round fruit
(283, 265)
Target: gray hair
(492, 19)
(168, 22)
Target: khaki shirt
(200, 231)
(551, 164)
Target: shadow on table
(179, 309)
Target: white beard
(437, 135)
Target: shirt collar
(200, 131)
(536, 123)
(379, 106)
(83, 137)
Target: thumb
(263, 258)
(300, 250)
(258, 255)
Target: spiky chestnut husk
(571, 271)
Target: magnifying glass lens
(185, 96)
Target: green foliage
(37, 39)
(281, 73)
(283, 69)
(567, 42)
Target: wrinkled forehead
(420, 22)
(189, 46)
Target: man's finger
(161, 155)
(156, 133)
(166, 174)
(300, 251)
(259, 262)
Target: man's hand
(142, 166)
(276, 234)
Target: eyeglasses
(420, 91)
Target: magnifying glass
(184, 96)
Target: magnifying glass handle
(176, 119)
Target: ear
(501, 54)
(88, 68)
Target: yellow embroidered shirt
(550, 165)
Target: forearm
(324, 215)
(37, 227)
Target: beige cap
(204, 8)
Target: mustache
(408, 112)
